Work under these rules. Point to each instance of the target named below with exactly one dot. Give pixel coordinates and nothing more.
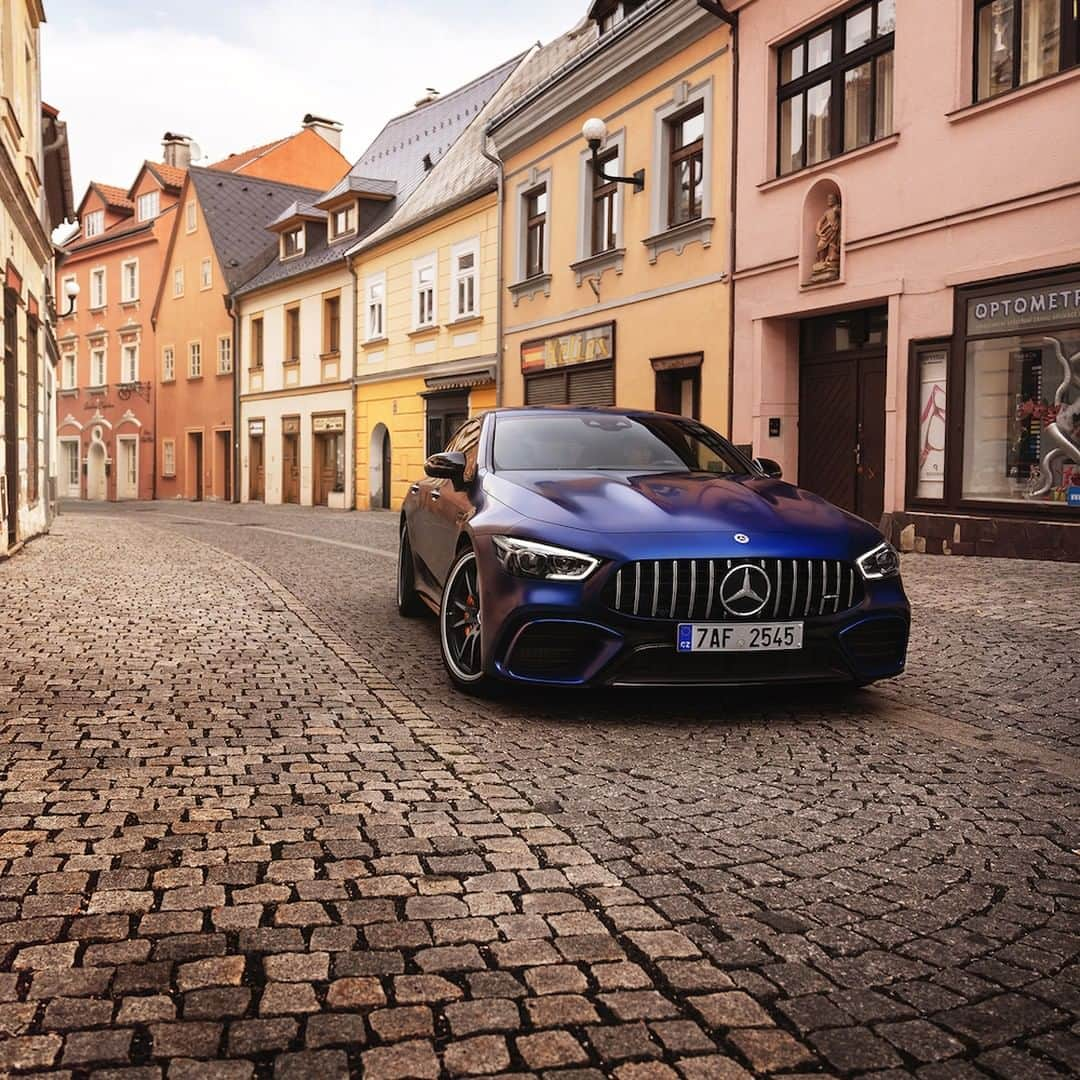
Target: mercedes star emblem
(742, 538)
(745, 590)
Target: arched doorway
(379, 472)
(96, 489)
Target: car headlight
(527, 558)
(880, 562)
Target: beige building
(35, 197)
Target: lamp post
(594, 131)
(71, 294)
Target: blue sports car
(616, 547)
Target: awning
(462, 381)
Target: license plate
(725, 637)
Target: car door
(450, 509)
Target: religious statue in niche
(827, 255)
(1060, 440)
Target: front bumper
(565, 634)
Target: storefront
(994, 424)
(328, 439)
(576, 368)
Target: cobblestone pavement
(247, 830)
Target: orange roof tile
(170, 174)
(237, 161)
(114, 196)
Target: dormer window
(149, 206)
(615, 13)
(94, 223)
(343, 221)
(292, 242)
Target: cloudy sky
(236, 73)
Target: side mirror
(768, 467)
(449, 465)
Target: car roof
(608, 410)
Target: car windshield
(609, 441)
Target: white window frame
(168, 457)
(375, 333)
(683, 98)
(123, 441)
(101, 300)
(178, 282)
(194, 350)
(206, 274)
(352, 208)
(426, 262)
(69, 301)
(129, 368)
(69, 357)
(148, 201)
(224, 355)
(615, 141)
(191, 217)
(66, 442)
(127, 297)
(168, 364)
(102, 351)
(301, 231)
(466, 247)
(93, 224)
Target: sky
(236, 73)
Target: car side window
(467, 441)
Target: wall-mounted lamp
(594, 132)
(71, 294)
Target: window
(292, 243)
(686, 165)
(257, 343)
(602, 204)
(376, 295)
(168, 364)
(191, 217)
(71, 302)
(97, 366)
(616, 13)
(536, 205)
(206, 279)
(424, 292)
(445, 415)
(129, 281)
(129, 362)
(93, 223)
(69, 372)
(97, 288)
(292, 335)
(343, 221)
(224, 355)
(836, 86)
(178, 281)
(1019, 41)
(71, 464)
(332, 324)
(194, 363)
(168, 457)
(465, 283)
(148, 206)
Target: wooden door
(196, 459)
(870, 450)
(11, 417)
(127, 478)
(326, 455)
(290, 468)
(385, 505)
(256, 470)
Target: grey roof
(298, 209)
(355, 183)
(237, 209)
(396, 161)
(464, 173)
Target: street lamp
(594, 131)
(71, 294)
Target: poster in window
(933, 373)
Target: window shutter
(546, 389)
(596, 386)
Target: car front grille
(690, 588)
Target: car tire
(409, 604)
(460, 640)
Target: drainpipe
(230, 307)
(500, 276)
(714, 7)
(355, 324)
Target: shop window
(1020, 41)
(445, 415)
(678, 385)
(930, 410)
(835, 88)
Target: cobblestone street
(247, 829)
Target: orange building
(217, 241)
(105, 400)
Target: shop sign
(1073, 496)
(255, 427)
(328, 423)
(578, 347)
(1048, 305)
(290, 425)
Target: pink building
(907, 263)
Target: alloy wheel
(460, 621)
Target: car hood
(667, 503)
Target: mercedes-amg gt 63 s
(614, 547)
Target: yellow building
(619, 293)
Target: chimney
(177, 149)
(330, 130)
(428, 96)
